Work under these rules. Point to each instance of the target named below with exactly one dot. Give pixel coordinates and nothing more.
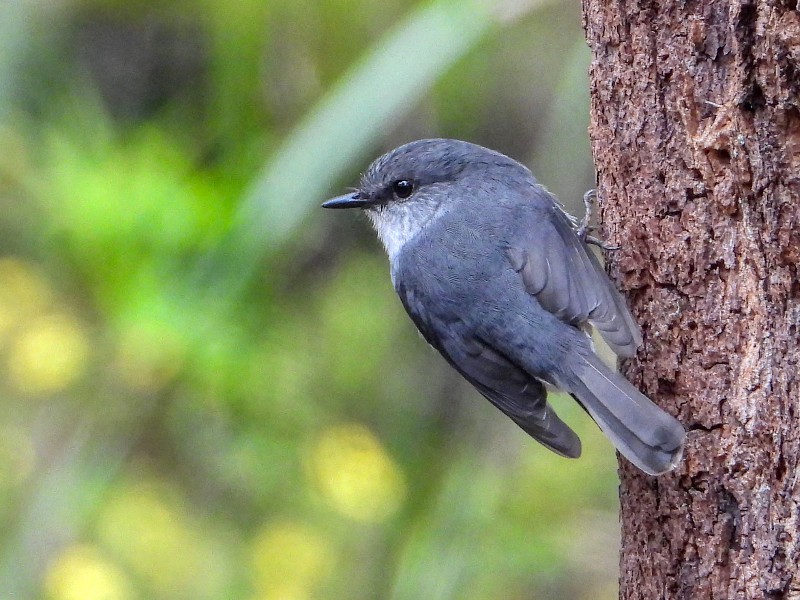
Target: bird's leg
(585, 228)
(588, 204)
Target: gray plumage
(490, 269)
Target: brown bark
(695, 129)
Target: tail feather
(642, 432)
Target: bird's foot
(585, 229)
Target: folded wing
(506, 385)
(559, 270)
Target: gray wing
(520, 396)
(568, 281)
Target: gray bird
(495, 276)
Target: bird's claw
(585, 229)
(590, 239)
(588, 203)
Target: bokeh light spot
(284, 592)
(288, 560)
(48, 354)
(356, 474)
(82, 573)
(147, 527)
(22, 282)
(23, 292)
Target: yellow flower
(82, 573)
(48, 354)
(356, 475)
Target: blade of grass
(377, 92)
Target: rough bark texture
(696, 136)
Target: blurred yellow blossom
(48, 354)
(356, 474)
(82, 573)
(284, 591)
(147, 527)
(288, 560)
(23, 292)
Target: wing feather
(566, 278)
(510, 388)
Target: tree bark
(695, 131)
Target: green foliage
(211, 390)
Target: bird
(498, 278)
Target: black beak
(352, 200)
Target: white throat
(398, 223)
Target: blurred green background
(209, 388)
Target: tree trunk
(695, 130)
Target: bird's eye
(402, 188)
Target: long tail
(642, 432)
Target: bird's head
(408, 188)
